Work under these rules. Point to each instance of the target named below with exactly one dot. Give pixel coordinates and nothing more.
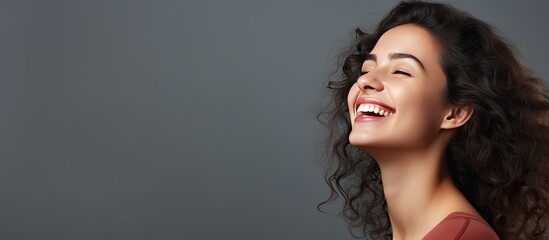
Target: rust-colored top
(462, 226)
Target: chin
(361, 140)
(369, 142)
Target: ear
(457, 117)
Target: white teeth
(362, 108)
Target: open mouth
(374, 110)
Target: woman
(438, 132)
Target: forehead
(411, 39)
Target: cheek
(423, 99)
(421, 113)
(351, 98)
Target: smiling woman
(438, 132)
(398, 80)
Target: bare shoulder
(463, 226)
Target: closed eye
(363, 72)
(402, 73)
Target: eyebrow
(393, 56)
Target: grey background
(182, 119)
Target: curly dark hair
(499, 159)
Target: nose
(368, 82)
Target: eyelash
(403, 73)
(395, 72)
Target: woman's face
(397, 103)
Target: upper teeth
(373, 108)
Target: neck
(419, 190)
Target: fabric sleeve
(462, 228)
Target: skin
(409, 144)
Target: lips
(373, 108)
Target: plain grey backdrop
(182, 119)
